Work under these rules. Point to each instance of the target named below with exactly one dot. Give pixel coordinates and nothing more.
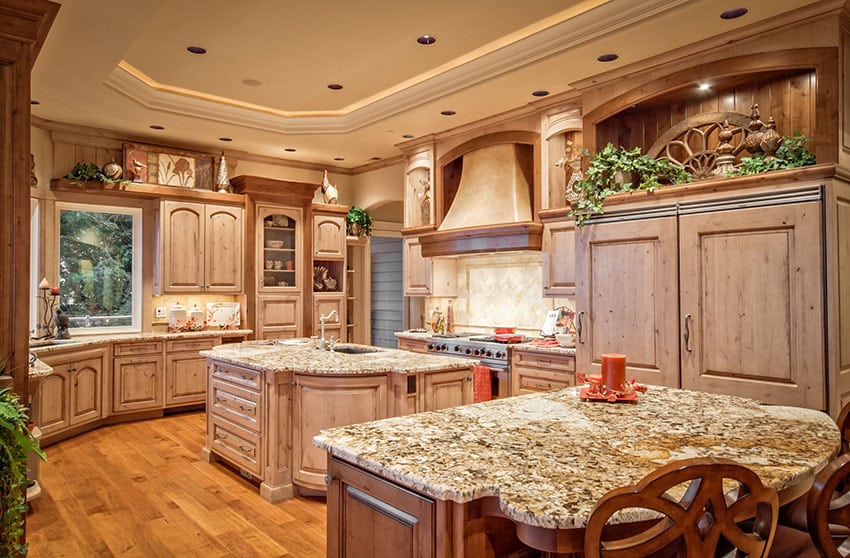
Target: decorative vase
(355, 229)
(113, 170)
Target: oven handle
(580, 327)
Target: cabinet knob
(329, 480)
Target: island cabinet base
(372, 516)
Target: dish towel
(482, 387)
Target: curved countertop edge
(91, 340)
(461, 489)
(302, 359)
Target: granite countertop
(302, 358)
(549, 457)
(427, 336)
(40, 347)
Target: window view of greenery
(96, 268)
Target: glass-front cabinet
(279, 248)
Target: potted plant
(615, 170)
(90, 172)
(16, 443)
(358, 222)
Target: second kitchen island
(266, 400)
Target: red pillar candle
(613, 371)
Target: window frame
(137, 276)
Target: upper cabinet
(279, 248)
(201, 248)
(328, 235)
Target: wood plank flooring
(142, 489)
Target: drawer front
(237, 375)
(544, 360)
(236, 444)
(238, 405)
(530, 381)
(411, 345)
(137, 348)
(176, 345)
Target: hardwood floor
(142, 489)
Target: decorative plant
(90, 172)
(614, 170)
(792, 153)
(16, 443)
(358, 216)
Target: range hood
(492, 209)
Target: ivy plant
(16, 443)
(90, 172)
(792, 153)
(605, 176)
(359, 216)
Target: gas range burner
(505, 339)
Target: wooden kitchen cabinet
(201, 248)
(354, 399)
(371, 516)
(559, 260)
(186, 371)
(533, 371)
(415, 345)
(441, 390)
(427, 276)
(323, 304)
(278, 317)
(329, 233)
(71, 395)
(137, 376)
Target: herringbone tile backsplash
(500, 289)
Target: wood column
(23, 27)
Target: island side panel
(277, 479)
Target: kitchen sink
(354, 350)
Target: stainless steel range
(487, 349)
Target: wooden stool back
(828, 508)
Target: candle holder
(48, 298)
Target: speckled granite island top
(549, 457)
(280, 357)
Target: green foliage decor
(16, 443)
(358, 216)
(792, 153)
(90, 172)
(602, 178)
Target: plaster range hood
(492, 210)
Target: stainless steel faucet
(322, 320)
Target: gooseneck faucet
(322, 320)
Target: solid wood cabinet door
(51, 402)
(417, 269)
(185, 382)
(137, 383)
(323, 304)
(559, 258)
(279, 317)
(182, 251)
(751, 304)
(328, 236)
(369, 516)
(627, 298)
(86, 380)
(326, 402)
(441, 390)
(224, 249)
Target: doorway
(387, 290)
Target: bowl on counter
(274, 244)
(504, 330)
(566, 339)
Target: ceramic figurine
(328, 190)
(62, 322)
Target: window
(100, 267)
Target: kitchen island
(436, 481)
(267, 399)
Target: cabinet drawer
(237, 375)
(175, 345)
(238, 445)
(533, 380)
(544, 360)
(239, 405)
(411, 345)
(137, 348)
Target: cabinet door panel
(51, 402)
(328, 236)
(627, 292)
(224, 254)
(85, 391)
(559, 259)
(137, 383)
(751, 284)
(186, 378)
(417, 269)
(279, 317)
(442, 390)
(182, 256)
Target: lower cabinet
(533, 371)
(415, 345)
(325, 402)
(137, 376)
(369, 516)
(441, 390)
(71, 395)
(186, 371)
(278, 317)
(324, 304)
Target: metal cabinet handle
(247, 450)
(687, 332)
(580, 327)
(221, 436)
(329, 480)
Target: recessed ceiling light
(156, 127)
(34, 102)
(225, 139)
(339, 158)
(252, 82)
(607, 57)
(376, 158)
(704, 87)
(540, 93)
(290, 149)
(426, 40)
(734, 13)
(448, 112)
(334, 86)
(196, 50)
(408, 136)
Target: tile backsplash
(499, 289)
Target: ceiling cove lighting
(196, 49)
(448, 112)
(734, 13)
(426, 40)
(156, 127)
(607, 57)
(334, 86)
(540, 93)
